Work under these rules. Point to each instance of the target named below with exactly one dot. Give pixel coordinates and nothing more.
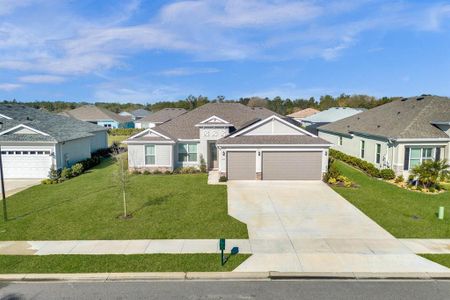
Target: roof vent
(404, 99)
(398, 113)
(420, 98)
(378, 126)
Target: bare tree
(122, 176)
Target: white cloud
(41, 79)
(7, 87)
(8, 6)
(188, 71)
(68, 44)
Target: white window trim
(376, 153)
(188, 161)
(433, 155)
(362, 149)
(145, 154)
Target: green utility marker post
(441, 213)
(222, 248)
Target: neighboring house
(241, 142)
(300, 115)
(159, 117)
(328, 116)
(100, 116)
(136, 114)
(399, 135)
(33, 140)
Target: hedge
(124, 131)
(363, 165)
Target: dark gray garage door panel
(292, 165)
(241, 165)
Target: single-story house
(32, 141)
(398, 135)
(328, 116)
(238, 141)
(159, 117)
(100, 116)
(300, 115)
(136, 114)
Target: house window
(418, 155)
(150, 155)
(340, 141)
(378, 153)
(363, 149)
(187, 152)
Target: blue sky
(147, 51)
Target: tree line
(277, 104)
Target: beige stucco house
(240, 142)
(398, 135)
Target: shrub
(363, 165)
(168, 172)
(399, 179)
(429, 172)
(332, 180)
(223, 179)
(146, 172)
(333, 171)
(47, 181)
(186, 170)
(432, 189)
(136, 172)
(77, 169)
(202, 164)
(156, 172)
(66, 173)
(54, 174)
(387, 174)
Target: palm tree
(429, 172)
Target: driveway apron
(304, 226)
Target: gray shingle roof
(163, 115)
(183, 126)
(59, 128)
(273, 139)
(409, 118)
(95, 113)
(140, 113)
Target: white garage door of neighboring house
(292, 165)
(241, 165)
(26, 163)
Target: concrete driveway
(13, 186)
(304, 226)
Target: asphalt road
(302, 289)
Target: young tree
(122, 177)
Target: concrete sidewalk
(98, 247)
(13, 186)
(427, 246)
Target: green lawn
(88, 206)
(405, 214)
(443, 259)
(117, 263)
(116, 138)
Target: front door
(213, 163)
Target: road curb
(204, 276)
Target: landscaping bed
(88, 207)
(405, 214)
(14, 264)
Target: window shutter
(438, 154)
(406, 162)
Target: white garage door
(26, 163)
(292, 165)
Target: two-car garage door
(291, 165)
(275, 165)
(26, 164)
